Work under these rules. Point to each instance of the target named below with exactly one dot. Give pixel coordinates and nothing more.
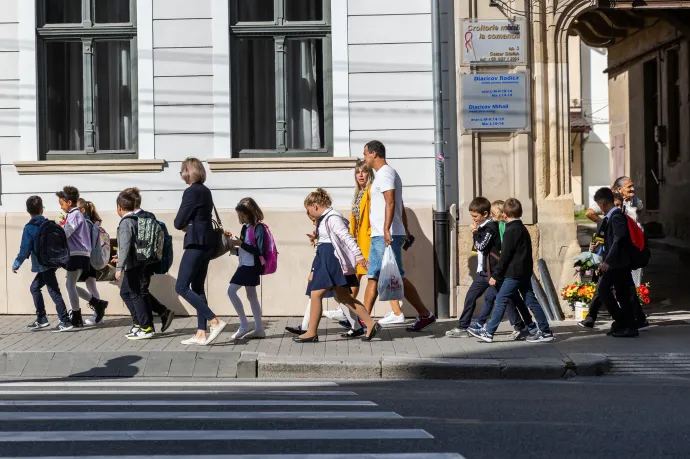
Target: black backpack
(51, 245)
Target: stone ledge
(88, 166)
(280, 164)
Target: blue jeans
(190, 282)
(516, 290)
(48, 279)
(480, 286)
(378, 246)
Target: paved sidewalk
(103, 351)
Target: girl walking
(334, 266)
(248, 275)
(94, 221)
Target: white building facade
(277, 97)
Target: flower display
(586, 261)
(579, 291)
(643, 294)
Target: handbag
(222, 240)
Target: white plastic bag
(390, 280)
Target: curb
(276, 367)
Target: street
(621, 416)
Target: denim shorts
(378, 246)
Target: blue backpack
(167, 259)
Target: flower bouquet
(62, 219)
(643, 294)
(587, 262)
(579, 292)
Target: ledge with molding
(280, 164)
(89, 166)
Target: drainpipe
(441, 214)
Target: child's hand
(118, 274)
(312, 237)
(363, 263)
(473, 227)
(114, 260)
(492, 282)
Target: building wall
(382, 88)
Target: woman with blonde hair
(194, 218)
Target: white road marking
(183, 415)
(83, 402)
(159, 384)
(284, 456)
(176, 392)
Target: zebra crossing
(230, 420)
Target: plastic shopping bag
(390, 280)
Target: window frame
(282, 30)
(673, 105)
(87, 31)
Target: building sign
(498, 42)
(495, 102)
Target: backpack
(639, 251)
(100, 246)
(51, 245)
(269, 260)
(167, 257)
(148, 246)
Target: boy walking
(487, 241)
(44, 276)
(513, 278)
(130, 271)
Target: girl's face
(315, 211)
(243, 217)
(362, 177)
(82, 210)
(66, 206)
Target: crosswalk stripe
(177, 392)
(183, 415)
(187, 403)
(285, 456)
(212, 435)
(171, 384)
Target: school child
(79, 243)
(248, 274)
(166, 315)
(94, 221)
(487, 241)
(513, 278)
(44, 276)
(130, 271)
(334, 266)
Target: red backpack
(640, 254)
(269, 260)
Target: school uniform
(248, 273)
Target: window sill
(89, 166)
(280, 164)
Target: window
(87, 78)
(281, 72)
(673, 104)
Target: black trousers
(479, 286)
(596, 303)
(156, 305)
(623, 306)
(131, 292)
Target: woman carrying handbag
(201, 245)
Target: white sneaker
(215, 331)
(391, 319)
(141, 334)
(336, 314)
(194, 340)
(240, 333)
(255, 334)
(91, 321)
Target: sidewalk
(104, 351)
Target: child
(499, 217)
(130, 270)
(334, 265)
(94, 221)
(79, 243)
(488, 243)
(44, 276)
(166, 315)
(248, 274)
(513, 276)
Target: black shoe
(345, 324)
(98, 307)
(295, 330)
(625, 333)
(614, 328)
(75, 318)
(642, 324)
(587, 323)
(313, 339)
(354, 334)
(166, 319)
(377, 328)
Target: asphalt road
(594, 418)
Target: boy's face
(478, 218)
(66, 206)
(618, 203)
(605, 206)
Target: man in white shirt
(386, 215)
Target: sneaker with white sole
(392, 319)
(255, 334)
(457, 332)
(482, 334)
(336, 314)
(62, 327)
(40, 322)
(132, 331)
(194, 340)
(215, 331)
(91, 321)
(239, 334)
(541, 337)
(142, 333)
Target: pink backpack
(269, 262)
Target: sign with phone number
(495, 102)
(493, 42)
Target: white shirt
(324, 238)
(246, 258)
(386, 179)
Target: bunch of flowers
(643, 294)
(579, 291)
(586, 261)
(62, 219)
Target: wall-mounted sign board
(495, 102)
(493, 42)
